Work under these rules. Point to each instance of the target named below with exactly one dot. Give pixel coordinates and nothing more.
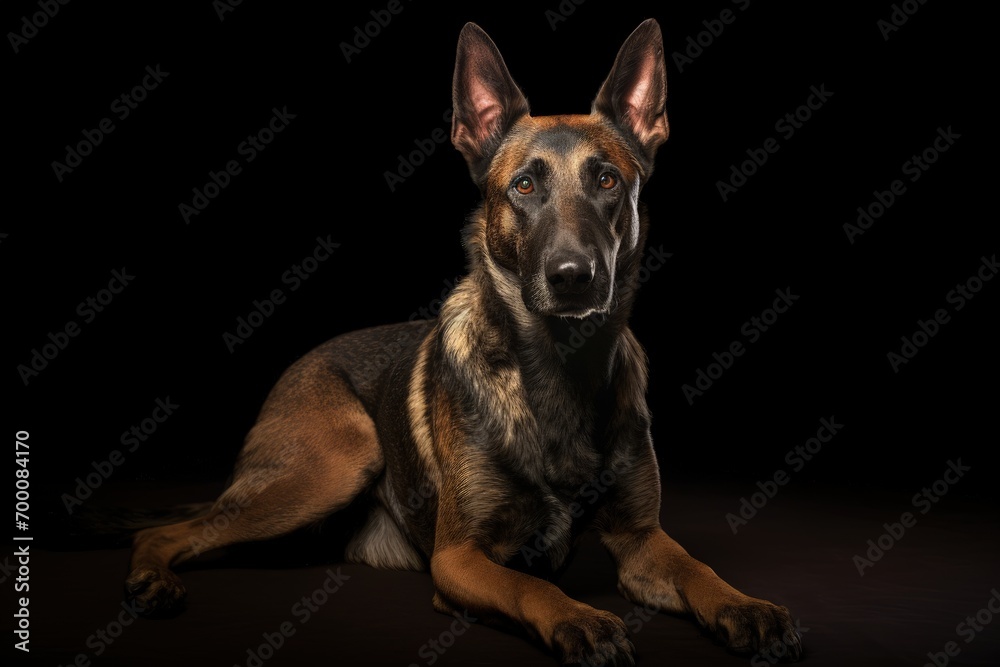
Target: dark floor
(797, 551)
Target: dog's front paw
(155, 591)
(592, 638)
(758, 626)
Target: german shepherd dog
(484, 432)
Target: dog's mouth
(576, 306)
(578, 313)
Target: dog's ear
(486, 100)
(634, 96)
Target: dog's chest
(565, 432)
(560, 506)
(570, 459)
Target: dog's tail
(105, 527)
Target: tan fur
(336, 455)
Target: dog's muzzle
(568, 285)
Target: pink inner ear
(639, 96)
(640, 103)
(487, 109)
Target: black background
(325, 176)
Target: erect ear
(486, 99)
(634, 96)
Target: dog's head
(560, 192)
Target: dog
(491, 423)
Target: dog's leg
(311, 452)
(656, 571)
(465, 578)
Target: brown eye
(607, 181)
(524, 185)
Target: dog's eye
(607, 180)
(524, 185)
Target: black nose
(569, 274)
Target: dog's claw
(155, 591)
(595, 639)
(759, 626)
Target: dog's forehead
(562, 138)
(563, 141)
